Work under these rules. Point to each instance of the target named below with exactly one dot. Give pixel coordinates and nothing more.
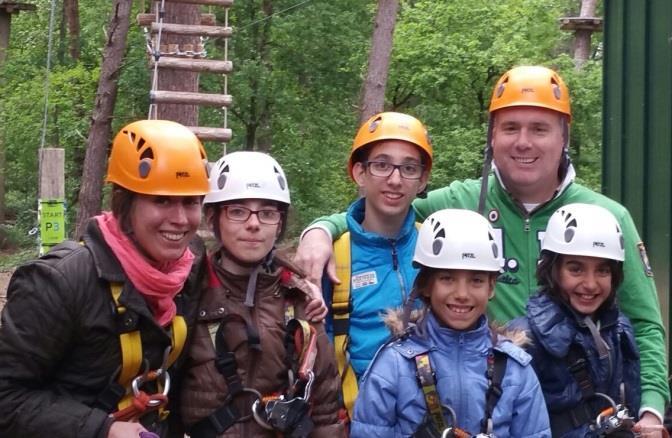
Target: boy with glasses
(390, 162)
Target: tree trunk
(90, 193)
(373, 91)
(179, 80)
(582, 37)
(71, 9)
(5, 26)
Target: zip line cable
(46, 79)
(274, 14)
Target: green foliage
(303, 68)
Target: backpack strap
(341, 307)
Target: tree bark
(179, 80)
(90, 192)
(5, 26)
(71, 9)
(373, 91)
(582, 37)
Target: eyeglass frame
(367, 165)
(250, 212)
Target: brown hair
(121, 204)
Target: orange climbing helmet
(393, 126)
(531, 86)
(158, 157)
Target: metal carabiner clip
(137, 383)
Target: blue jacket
(553, 327)
(382, 275)
(391, 402)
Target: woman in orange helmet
(92, 331)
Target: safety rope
(46, 79)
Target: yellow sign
(51, 215)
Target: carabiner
(258, 417)
(148, 376)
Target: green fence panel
(637, 150)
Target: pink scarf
(158, 285)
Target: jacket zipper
(395, 267)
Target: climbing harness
(289, 413)
(127, 393)
(434, 425)
(286, 412)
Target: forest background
(298, 73)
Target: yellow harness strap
(131, 348)
(131, 344)
(340, 307)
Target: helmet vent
(281, 181)
(495, 250)
(557, 93)
(140, 144)
(147, 153)
(221, 181)
(374, 124)
(144, 168)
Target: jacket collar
(570, 175)
(355, 217)
(556, 326)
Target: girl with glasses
(257, 366)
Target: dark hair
(121, 204)
(362, 154)
(548, 276)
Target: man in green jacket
(532, 176)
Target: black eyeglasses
(238, 213)
(384, 169)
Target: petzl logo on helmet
(598, 245)
(183, 174)
(253, 185)
(468, 255)
(527, 90)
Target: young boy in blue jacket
(583, 347)
(450, 370)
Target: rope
(156, 54)
(46, 79)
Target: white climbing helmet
(584, 230)
(457, 239)
(247, 175)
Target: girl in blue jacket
(583, 347)
(449, 370)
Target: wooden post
(51, 204)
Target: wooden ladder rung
(190, 29)
(197, 65)
(189, 98)
(224, 3)
(147, 19)
(212, 134)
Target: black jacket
(59, 343)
